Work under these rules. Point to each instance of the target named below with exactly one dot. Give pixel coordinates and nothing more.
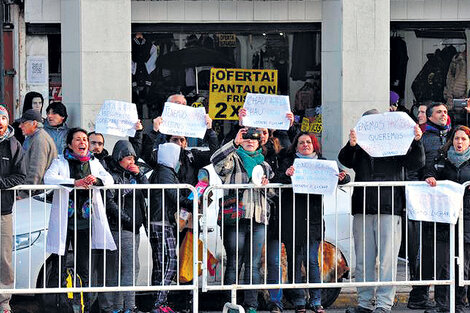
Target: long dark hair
(316, 145)
(28, 100)
(450, 141)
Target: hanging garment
(456, 83)
(144, 55)
(398, 64)
(304, 98)
(303, 55)
(430, 81)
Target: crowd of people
(46, 151)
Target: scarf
(434, 127)
(70, 155)
(458, 158)
(5, 135)
(308, 156)
(250, 159)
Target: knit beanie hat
(3, 111)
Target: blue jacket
(58, 134)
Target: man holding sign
(368, 235)
(191, 160)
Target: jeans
(6, 265)
(421, 256)
(248, 251)
(367, 240)
(110, 301)
(441, 292)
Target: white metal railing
(31, 258)
(31, 217)
(337, 217)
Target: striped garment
(252, 202)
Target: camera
(252, 133)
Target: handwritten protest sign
(182, 120)
(387, 134)
(315, 176)
(228, 88)
(117, 118)
(434, 204)
(266, 111)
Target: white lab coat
(59, 173)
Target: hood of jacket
(121, 149)
(169, 154)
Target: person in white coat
(69, 222)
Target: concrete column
(96, 56)
(355, 65)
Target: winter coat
(369, 169)
(443, 169)
(456, 83)
(433, 139)
(132, 218)
(12, 170)
(165, 174)
(229, 166)
(192, 160)
(58, 134)
(38, 157)
(430, 81)
(59, 174)
(103, 157)
(302, 202)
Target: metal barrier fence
(461, 259)
(37, 271)
(337, 229)
(33, 264)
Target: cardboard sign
(387, 134)
(434, 204)
(266, 111)
(117, 118)
(315, 176)
(228, 88)
(312, 124)
(182, 120)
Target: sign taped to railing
(434, 204)
(315, 176)
(266, 111)
(117, 118)
(182, 120)
(386, 134)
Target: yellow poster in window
(228, 88)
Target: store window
(168, 63)
(54, 58)
(429, 64)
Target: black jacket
(192, 161)
(12, 170)
(131, 217)
(443, 169)
(166, 175)
(433, 139)
(368, 169)
(302, 202)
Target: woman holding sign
(453, 164)
(294, 220)
(245, 212)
